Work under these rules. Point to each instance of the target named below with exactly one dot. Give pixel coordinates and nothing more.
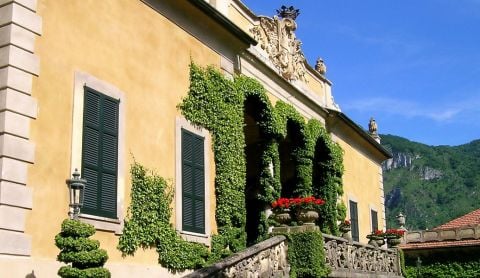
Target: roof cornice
(224, 21)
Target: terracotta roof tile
(439, 244)
(472, 218)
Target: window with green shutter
(193, 183)
(100, 153)
(354, 220)
(374, 216)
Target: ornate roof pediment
(277, 37)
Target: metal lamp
(76, 188)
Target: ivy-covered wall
(218, 105)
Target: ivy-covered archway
(221, 106)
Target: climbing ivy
(218, 104)
(148, 224)
(327, 174)
(306, 256)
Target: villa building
(99, 85)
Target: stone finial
(289, 12)
(320, 66)
(373, 129)
(401, 221)
(372, 126)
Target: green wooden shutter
(354, 220)
(193, 183)
(374, 221)
(100, 153)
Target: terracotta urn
(393, 241)
(283, 217)
(376, 241)
(307, 217)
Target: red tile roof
(439, 244)
(472, 218)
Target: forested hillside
(430, 184)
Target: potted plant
(345, 227)
(306, 209)
(281, 210)
(376, 238)
(393, 236)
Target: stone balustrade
(269, 259)
(467, 232)
(353, 259)
(265, 259)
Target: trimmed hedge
(81, 252)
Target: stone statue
(277, 37)
(372, 127)
(320, 66)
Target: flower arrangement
(308, 203)
(376, 234)
(281, 204)
(346, 223)
(394, 233)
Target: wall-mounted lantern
(76, 188)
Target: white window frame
(182, 123)
(82, 79)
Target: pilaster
(19, 26)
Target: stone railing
(265, 259)
(467, 232)
(347, 259)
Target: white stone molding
(20, 25)
(83, 79)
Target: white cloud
(438, 112)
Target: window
(193, 183)
(192, 187)
(374, 216)
(354, 220)
(98, 140)
(99, 153)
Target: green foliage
(95, 272)
(327, 156)
(341, 211)
(81, 252)
(148, 224)
(455, 263)
(214, 103)
(424, 201)
(306, 256)
(217, 104)
(468, 269)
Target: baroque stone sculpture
(276, 36)
(320, 66)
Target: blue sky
(412, 65)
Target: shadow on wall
(31, 275)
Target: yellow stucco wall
(239, 19)
(132, 47)
(361, 183)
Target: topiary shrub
(306, 255)
(81, 252)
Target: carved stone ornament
(276, 36)
(320, 66)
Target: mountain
(430, 184)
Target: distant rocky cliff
(430, 184)
(405, 160)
